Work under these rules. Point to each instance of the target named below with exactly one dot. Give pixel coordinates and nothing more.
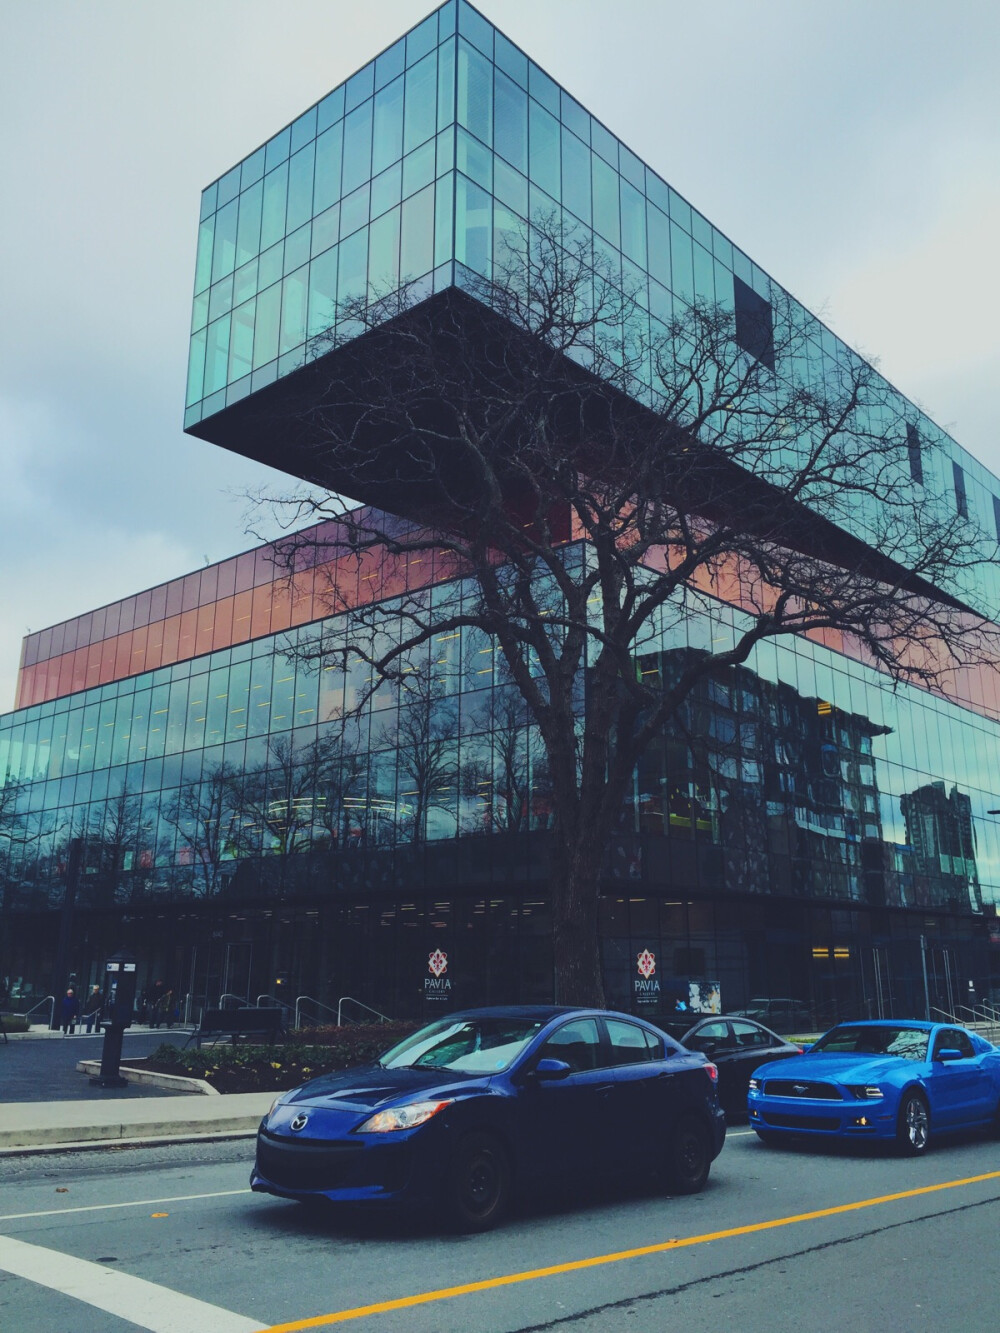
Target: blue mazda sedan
(900, 1082)
(481, 1104)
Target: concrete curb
(152, 1079)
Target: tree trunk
(574, 884)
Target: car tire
(478, 1185)
(769, 1140)
(913, 1125)
(689, 1157)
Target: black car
(484, 1103)
(736, 1046)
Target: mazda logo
(300, 1121)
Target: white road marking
(136, 1203)
(142, 1303)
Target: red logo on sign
(438, 962)
(646, 963)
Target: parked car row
(483, 1105)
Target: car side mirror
(550, 1071)
(949, 1053)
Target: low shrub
(305, 1054)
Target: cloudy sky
(852, 149)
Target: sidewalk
(66, 1111)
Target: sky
(851, 149)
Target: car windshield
(466, 1046)
(884, 1039)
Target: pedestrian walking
(69, 1012)
(92, 1008)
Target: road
(781, 1239)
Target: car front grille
(817, 1092)
(300, 1165)
(827, 1122)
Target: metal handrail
(275, 1003)
(383, 1018)
(228, 995)
(50, 1000)
(318, 1003)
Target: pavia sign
(437, 986)
(646, 984)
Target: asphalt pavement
(47, 1102)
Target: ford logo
(299, 1122)
(800, 1090)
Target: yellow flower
(275, 1065)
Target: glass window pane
(473, 226)
(300, 187)
(217, 355)
(475, 92)
(352, 278)
(606, 201)
(203, 267)
(545, 147)
(196, 368)
(329, 149)
(273, 211)
(387, 141)
(265, 340)
(224, 250)
(322, 292)
(357, 147)
(633, 206)
(383, 254)
(421, 102)
(293, 310)
(511, 122)
(248, 232)
(576, 175)
(417, 254)
(241, 341)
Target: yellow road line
(575, 1265)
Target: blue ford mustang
(904, 1082)
(480, 1103)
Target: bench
(234, 1023)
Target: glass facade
(177, 776)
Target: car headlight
(402, 1117)
(274, 1105)
(754, 1085)
(865, 1092)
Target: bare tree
(597, 484)
(425, 738)
(205, 813)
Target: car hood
(836, 1067)
(372, 1086)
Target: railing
(275, 1003)
(228, 995)
(348, 999)
(308, 999)
(50, 1000)
(978, 1017)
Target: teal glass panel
(510, 128)
(383, 254)
(331, 109)
(329, 152)
(203, 264)
(196, 369)
(511, 60)
(545, 150)
(604, 143)
(303, 130)
(681, 263)
(300, 188)
(510, 187)
(446, 84)
(447, 19)
(474, 158)
(224, 250)
(471, 24)
(241, 341)
(217, 356)
(421, 103)
(253, 169)
(269, 269)
(248, 230)
(606, 214)
(574, 116)
(631, 168)
(576, 176)
(277, 149)
(658, 238)
(229, 186)
(265, 336)
(359, 87)
(475, 92)
(422, 39)
(724, 285)
(322, 292)
(418, 169)
(473, 226)
(661, 305)
(417, 238)
(245, 282)
(357, 147)
(387, 189)
(352, 278)
(704, 274)
(220, 299)
(199, 312)
(236, 714)
(354, 210)
(543, 89)
(326, 230)
(272, 226)
(209, 199)
(294, 297)
(510, 244)
(633, 206)
(296, 249)
(444, 219)
(387, 136)
(680, 211)
(390, 64)
(446, 150)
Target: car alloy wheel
(689, 1157)
(913, 1131)
(479, 1183)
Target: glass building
(179, 778)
